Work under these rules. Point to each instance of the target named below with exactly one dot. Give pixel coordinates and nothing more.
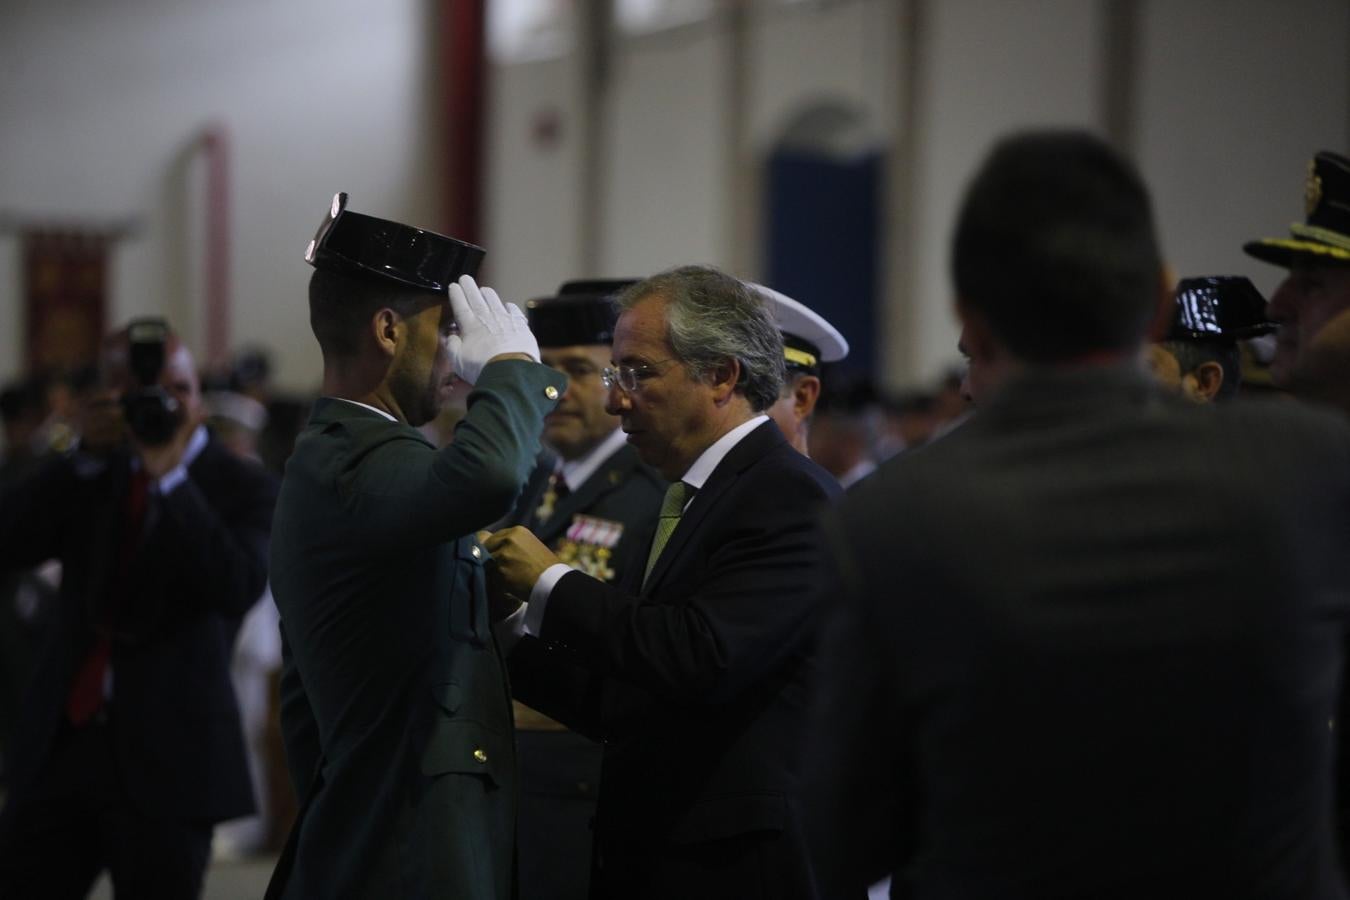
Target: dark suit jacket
(622, 490)
(200, 566)
(1089, 647)
(395, 706)
(698, 685)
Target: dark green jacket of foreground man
(395, 707)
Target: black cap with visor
(1221, 309)
(355, 244)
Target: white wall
(1230, 99)
(1235, 97)
(988, 67)
(533, 191)
(666, 154)
(807, 54)
(666, 198)
(841, 54)
(99, 102)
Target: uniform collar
(576, 471)
(363, 405)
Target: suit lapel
(533, 493)
(106, 535)
(751, 448)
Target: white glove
(487, 328)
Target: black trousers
(559, 778)
(78, 821)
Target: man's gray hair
(713, 317)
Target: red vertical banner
(65, 278)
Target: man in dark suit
(395, 708)
(1096, 651)
(695, 673)
(129, 748)
(593, 502)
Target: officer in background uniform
(1199, 358)
(1312, 304)
(1312, 354)
(593, 502)
(808, 341)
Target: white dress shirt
(365, 406)
(575, 472)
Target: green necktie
(672, 507)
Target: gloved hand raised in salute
(487, 329)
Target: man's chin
(645, 449)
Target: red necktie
(86, 693)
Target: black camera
(153, 414)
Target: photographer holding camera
(128, 749)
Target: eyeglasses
(628, 377)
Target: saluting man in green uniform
(395, 706)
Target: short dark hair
(712, 317)
(340, 307)
(1191, 355)
(1055, 246)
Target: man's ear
(1164, 310)
(723, 378)
(805, 393)
(1204, 382)
(387, 328)
(976, 338)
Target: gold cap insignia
(1312, 189)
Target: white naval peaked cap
(808, 327)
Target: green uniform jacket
(395, 706)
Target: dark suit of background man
(128, 748)
(1096, 651)
(1199, 356)
(593, 502)
(696, 672)
(395, 709)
